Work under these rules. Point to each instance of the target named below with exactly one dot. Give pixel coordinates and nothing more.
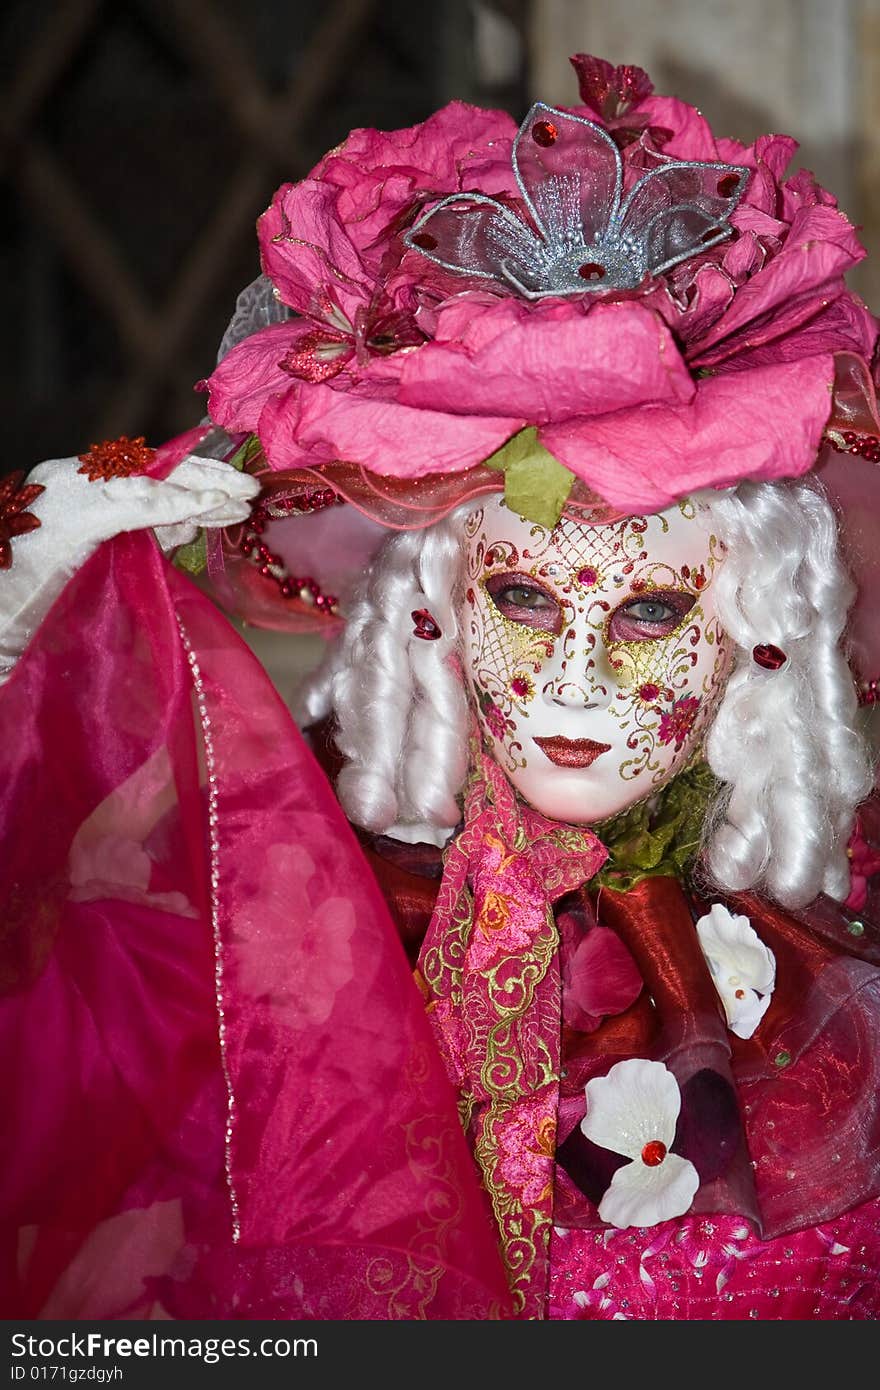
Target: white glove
(77, 515)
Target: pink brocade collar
(490, 967)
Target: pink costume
(227, 1097)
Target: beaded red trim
(301, 587)
(851, 442)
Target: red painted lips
(572, 752)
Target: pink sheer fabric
(211, 1025)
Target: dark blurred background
(139, 140)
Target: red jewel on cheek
(653, 1153)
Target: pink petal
(316, 424)
(249, 375)
(601, 978)
(739, 425)
(692, 136)
(547, 362)
(845, 325)
(378, 172)
(858, 893)
(802, 190)
(304, 247)
(820, 247)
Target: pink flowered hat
(603, 309)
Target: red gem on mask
(425, 241)
(592, 271)
(740, 994)
(425, 626)
(726, 185)
(768, 657)
(653, 1153)
(544, 133)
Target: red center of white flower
(653, 1153)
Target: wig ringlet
(784, 745)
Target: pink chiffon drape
(208, 1023)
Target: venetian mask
(594, 653)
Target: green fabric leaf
(660, 837)
(193, 558)
(536, 485)
(246, 452)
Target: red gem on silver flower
(425, 626)
(544, 133)
(425, 241)
(653, 1153)
(592, 271)
(726, 186)
(768, 657)
(116, 458)
(15, 520)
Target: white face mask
(593, 652)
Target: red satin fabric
(810, 1121)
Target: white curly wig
(791, 763)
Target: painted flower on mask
(676, 724)
(633, 1111)
(407, 370)
(743, 969)
(522, 687)
(495, 720)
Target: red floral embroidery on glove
(15, 519)
(116, 458)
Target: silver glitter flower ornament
(580, 231)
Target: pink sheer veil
(222, 1096)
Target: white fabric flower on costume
(632, 1111)
(743, 969)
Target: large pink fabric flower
(718, 370)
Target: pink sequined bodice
(714, 1267)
